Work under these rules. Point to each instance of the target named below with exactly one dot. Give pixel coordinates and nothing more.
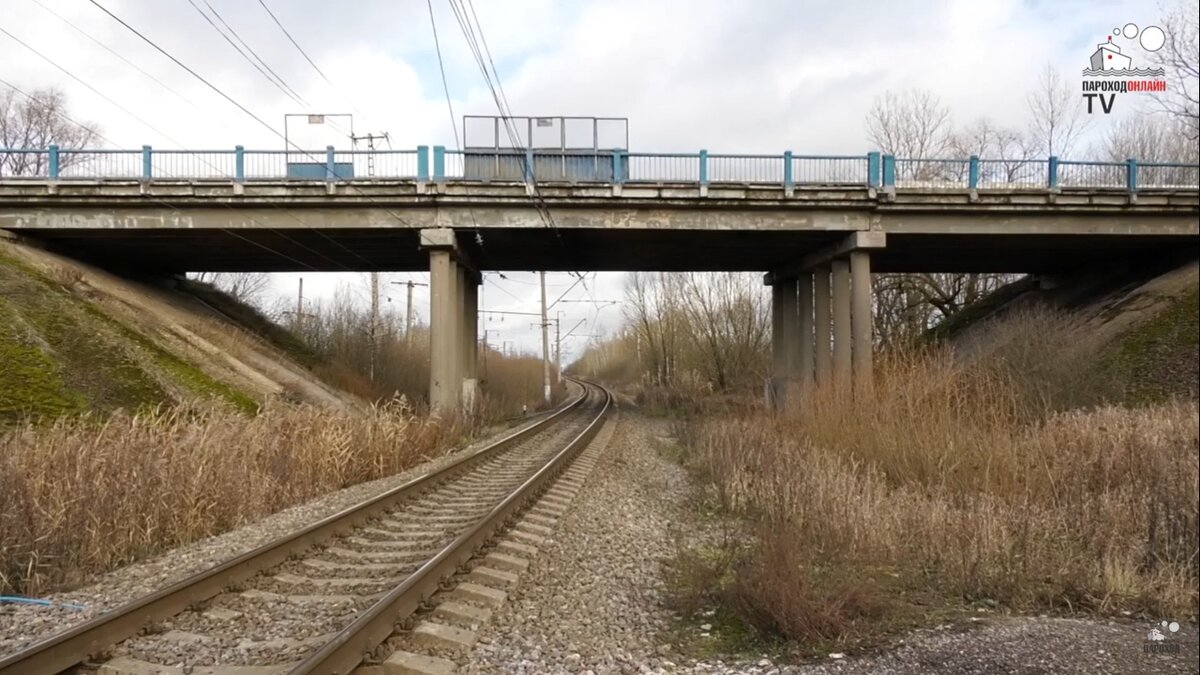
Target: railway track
(319, 600)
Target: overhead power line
(90, 88)
(127, 62)
(308, 58)
(472, 30)
(255, 62)
(183, 65)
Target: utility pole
(558, 349)
(300, 305)
(545, 344)
(299, 312)
(485, 349)
(408, 311)
(370, 139)
(374, 322)
(558, 342)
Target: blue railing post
(330, 174)
(439, 162)
(1052, 172)
(422, 162)
(239, 164)
(147, 166)
(873, 168)
(1131, 171)
(53, 162)
(703, 157)
(789, 181)
(889, 171)
(618, 174)
(529, 164)
(973, 172)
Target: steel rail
(74, 645)
(347, 650)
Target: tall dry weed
(81, 496)
(948, 481)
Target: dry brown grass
(82, 496)
(950, 482)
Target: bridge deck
(221, 225)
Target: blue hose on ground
(37, 601)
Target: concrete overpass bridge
(817, 225)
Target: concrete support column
(470, 350)
(822, 319)
(778, 350)
(790, 334)
(806, 348)
(790, 328)
(860, 309)
(444, 317)
(842, 364)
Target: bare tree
(1154, 139)
(34, 122)
(726, 326)
(913, 124)
(650, 307)
(1056, 116)
(248, 287)
(1180, 58)
(1010, 153)
(1149, 138)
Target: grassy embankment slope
(75, 339)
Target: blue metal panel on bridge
(573, 165)
(575, 149)
(319, 170)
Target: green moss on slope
(190, 377)
(61, 354)
(30, 381)
(1158, 359)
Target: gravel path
(590, 602)
(21, 625)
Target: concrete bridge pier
(805, 354)
(822, 322)
(785, 330)
(453, 319)
(779, 346)
(842, 359)
(792, 337)
(862, 322)
(469, 339)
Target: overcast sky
(751, 76)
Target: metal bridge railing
(436, 163)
